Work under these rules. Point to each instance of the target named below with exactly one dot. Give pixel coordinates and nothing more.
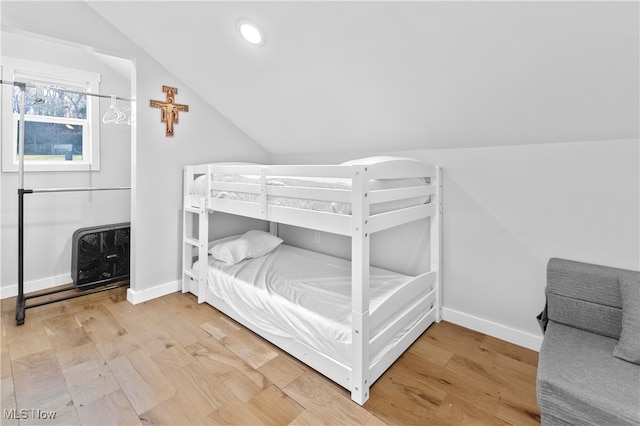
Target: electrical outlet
(316, 237)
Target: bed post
(187, 225)
(273, 228)
(203, 245)
(187, 181)
(436, 242)
(360, 285)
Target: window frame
(19, 70)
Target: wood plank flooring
(98, 360)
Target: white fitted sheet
(301, 294)
(200, 187)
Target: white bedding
(200, 187)
(301, 294)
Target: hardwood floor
(98, 360)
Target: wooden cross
(169, 109)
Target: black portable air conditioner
(100, 255)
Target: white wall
(202, 135)
(51, 219)
(507, 210)
(409, 253)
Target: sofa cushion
(589, 316)
(629, 346)
(581, 382)
(585, 296)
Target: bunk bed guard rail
(258, 184)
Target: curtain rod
(99, 95)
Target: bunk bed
(346, 319)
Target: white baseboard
(499, 331)
(36, 285)
(139, 296)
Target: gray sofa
(583, 376)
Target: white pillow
(199, 185)
(222, 240)
(250, 245)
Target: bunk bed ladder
(188, 242)
(199, 242)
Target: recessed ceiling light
(251, 33)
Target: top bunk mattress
(304, 295)
(199, 187)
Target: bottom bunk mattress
(305, 295)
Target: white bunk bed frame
(425, 289)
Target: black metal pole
(20, 301)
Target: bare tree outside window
(54, 123)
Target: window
(61, 123)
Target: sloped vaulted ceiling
(366, 76)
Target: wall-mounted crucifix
(169, 109)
